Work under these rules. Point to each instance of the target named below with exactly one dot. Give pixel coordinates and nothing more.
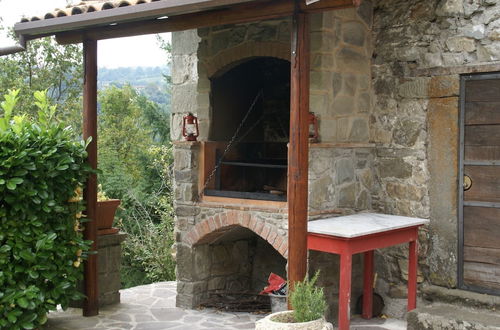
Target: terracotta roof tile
(87, 7)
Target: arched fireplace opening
(250, 105)
(238, 266)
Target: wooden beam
(91, 303)
(237, 14)
(298, 150)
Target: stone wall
(340, 88)
(340, 180)
(421, 48)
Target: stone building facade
(422, 48)
(385, 85)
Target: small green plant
(308, 300)
(41, 244)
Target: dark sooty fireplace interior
(238, 264)
(255, 167)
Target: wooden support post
(91, 303)
(298, 150)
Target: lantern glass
(190, 128)
(312, 130)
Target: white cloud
(132, 51)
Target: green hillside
(150, 81)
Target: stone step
(441, 316)
(432, 293)
(443, 308)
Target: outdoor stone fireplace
(234, 234)
(385, 83)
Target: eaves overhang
(45, 27)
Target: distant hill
(149, 81)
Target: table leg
(345, 291)
(368, 285)
(412, 276)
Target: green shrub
(147, 255)
(308, 300)
(41, 245)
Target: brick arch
(215, 226)
(228, 58)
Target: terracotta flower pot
(106, 215)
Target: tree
(157, 117)
(124, 138)
(135, 157)
(45, 65)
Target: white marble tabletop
(361, 224)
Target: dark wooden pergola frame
(183, 15)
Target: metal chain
(229, 145)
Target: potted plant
(106, 209)
(309, 305)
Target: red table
(363, 233)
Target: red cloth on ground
(275, 283)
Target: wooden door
(480, 183)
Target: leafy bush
(41, 245)
(308, 300)
(147, 255)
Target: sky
(112, 53)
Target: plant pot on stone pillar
(106, 210)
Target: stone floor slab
(152, 307)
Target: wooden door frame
(461, 284)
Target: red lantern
(313, 128)
(190, 129)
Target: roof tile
(87, 7)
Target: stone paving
(152, 307)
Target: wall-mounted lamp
(313, 128)
(190, 129)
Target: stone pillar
(108, 266)
(190, 287)
(109, 258)
(184, 83)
